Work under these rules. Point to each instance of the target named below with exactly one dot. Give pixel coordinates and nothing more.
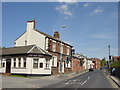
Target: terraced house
(60, 51)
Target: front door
(8, 65)
(62, 67)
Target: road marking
(89, 77)
(84, 82)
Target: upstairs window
(61, 48)
(68, 51)
(53, 47)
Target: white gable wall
(21, 40)
(31, 37)
(34, 38)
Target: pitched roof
(52, 37)
(24, 49)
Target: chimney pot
(56, 34)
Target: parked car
(91, 69)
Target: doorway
(8, 65)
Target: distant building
(116, 58)
(77, 64)
(96, 62)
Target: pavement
(35, 82)
(116, 80)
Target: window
(68, 62)
(53, 47)
(19, 62)
(24, 62)
(61, 48)
(35, 63)
(14, 62)
(54, 61)
(41, 65)
(68, 51)
(3, 64)
(25, 42)
(47, 63)
(0, 62)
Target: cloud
(86, 4)
(97, 10)
(68, 1)
(64, 9)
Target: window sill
(18, 68)
(46, 68)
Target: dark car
(91, 69)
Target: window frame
(40, 65)
(35, 63)
(24, 62)
(19, 62)
(53, 46)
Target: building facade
(96, 62)
(60, 51)
(26, 60)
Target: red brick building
(77, 64)
(96, 62)
(116, 58)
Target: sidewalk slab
(116, 80)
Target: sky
(90, 26)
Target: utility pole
(61, 59)
(109, 58)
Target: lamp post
(109, 57)
(63, 26)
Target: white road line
(89, 77)
(84, 82)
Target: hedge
(115, 64)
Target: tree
(103, 62)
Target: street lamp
(63, 26)
(109, 58)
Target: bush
(115, 64)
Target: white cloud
(68, 13)
(63, 9)
(68, 1)
(86, 4)
(97, 10)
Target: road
(93, 79)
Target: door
(62, 67)
(8, 65)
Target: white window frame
(54, 47)
(35, 62)
(54, 61)
(69, 64)
(61, 48)
(68, 50)
(47, 64)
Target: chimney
(29, 29)
(56, 34)
(31, 24)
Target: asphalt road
(93, 79)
